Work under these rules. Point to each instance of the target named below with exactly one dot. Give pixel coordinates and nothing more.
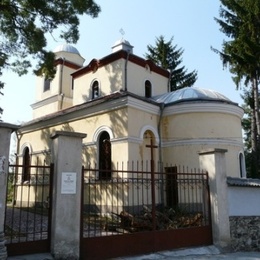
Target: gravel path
(26, 226)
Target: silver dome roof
(190, 94)
(66, 48)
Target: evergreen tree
(167, 56)
(248, 124)
(24, 25)
(241, 52)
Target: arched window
(26, 164)
(95, 89)
(148, 89)
(105, 165)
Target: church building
(122, 102)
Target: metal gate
(28, 209)
(133, 212)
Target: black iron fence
(135, 200)
(28, 207)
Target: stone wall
(245, 233)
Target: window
(47, 84)
(105, 165)
(26, 165)
(95, 89)
(148, 89)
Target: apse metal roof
(190, 94)
(66, 48)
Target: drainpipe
(126, 62)
(162, 105)
(60, 83)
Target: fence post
(5, 136)
(67, 158)
(214, 161)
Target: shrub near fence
(137, 200)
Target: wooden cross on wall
(152, 146)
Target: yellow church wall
(59, 84)
(36, 195)
(66, 80)
(202, 125)
(138, 75)
(116, 120)
(116, 197)
(186, 134)
(139, 121)
(46, 109)
(110, 78)
(39, 94)
(188, 156)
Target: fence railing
(135, 200)
(28, 205)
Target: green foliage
(240, 22)
(24, 25)
(241, 52)
(169, 57)
(251, 155)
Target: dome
(190, 94)
(122, 41)
(66, 48)
(122, 44)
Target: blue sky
(190, 22)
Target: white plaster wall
(244, 201)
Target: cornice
(85, 111)
(203, 141)
(142, 105)
(122, 54)
(45, 101)
(204, 107)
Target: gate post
(5, 136)
(214, 162)
(67, 158)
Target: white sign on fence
(68, 182)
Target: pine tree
(169, 57)
(241, 52)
